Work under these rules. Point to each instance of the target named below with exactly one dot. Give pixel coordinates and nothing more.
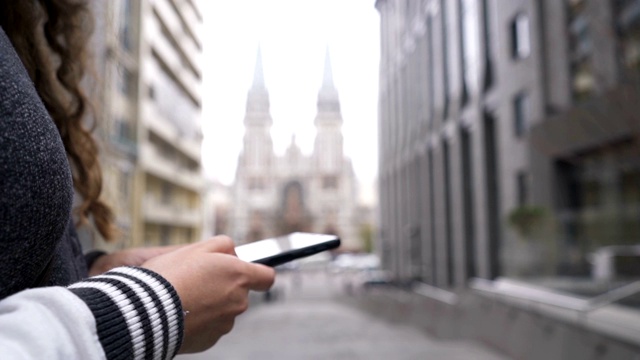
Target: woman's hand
(213, 286)
(128, 257)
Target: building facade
(590, 132)
(114, 47)
(148, 56)
(275, 195)
(472, 134)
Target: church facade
(278, 194)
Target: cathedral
(274, 195)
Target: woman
(45, 152)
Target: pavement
(308, 319)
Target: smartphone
(282, 249)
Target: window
(256, 183)
(583, 80)
(471, 57)
(330, 182)
(431, 72)
(124, 130)
(125, 82)
(522, 188)
(445, 53)
(520, 37)
(166, 193)
(165, 235)
(576, 5)
(126, 34)
(448, 213)
(628, 31)
(492, 186)
(630, 191)
(432, 221)
(520, 114)
(486, 29)
(467, 191)
(631, 49)
(581, 47)
(592, 192)
(125, 181)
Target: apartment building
(149, 59)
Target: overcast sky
(293, 35)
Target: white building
(273, 194)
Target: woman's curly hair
(51, 36)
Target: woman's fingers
(261, 277)
(218, 244)
(213, 283)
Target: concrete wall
(523, 333)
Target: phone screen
(282, 249)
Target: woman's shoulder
(36, 188)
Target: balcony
(190, 17)
(154, 163)
(172, 62)
(156, 212)
(161, 126)
(182, 43)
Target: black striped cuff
(138, 313)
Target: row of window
(125, 26)
(168, 152)
(167, 235)
(166, 33)
(174, 102)
(328, 182)
(583, 32)
(431, 176)
(417, 101)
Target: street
(307, 320)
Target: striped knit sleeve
(138, 313)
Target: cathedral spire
(258, 96)
(327, 81)
(328, 95)
(258, 73)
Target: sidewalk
(313, 319)
(519, 330)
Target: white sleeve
(126, 313)
(48, 323)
